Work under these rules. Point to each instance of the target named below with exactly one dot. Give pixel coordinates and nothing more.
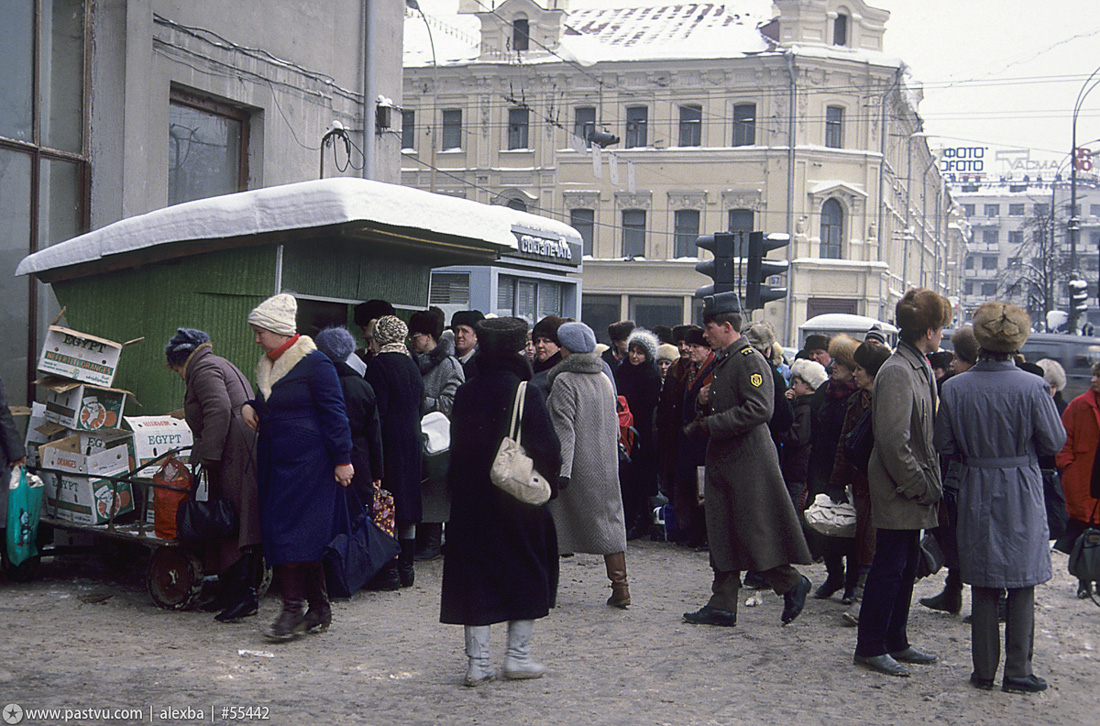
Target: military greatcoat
(751, 523)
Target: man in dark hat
(817, 345)
(618, 332)
(463, 325)
(751, 522)
(365, 314)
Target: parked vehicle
(854, 325)
(1076, 353)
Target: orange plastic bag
(173, 481)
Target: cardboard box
(81, 406)
(79, 356)
(86, 499)
(157, 435)
(96, 453)
(40, 431)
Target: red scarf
(693, 371)
(274, 355)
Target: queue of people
(328, 425)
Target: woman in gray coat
(588, 512)
(997, 421)
(442, 375)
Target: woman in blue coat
(304, 458)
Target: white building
(795, 121)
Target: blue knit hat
(335, 342)
(183, 344)
(577, 337)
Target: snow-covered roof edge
(302, 205)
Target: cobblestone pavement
(82, 637)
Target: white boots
(477, 652)
(517, 658)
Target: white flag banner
(613, 168)
(596, 170)
(578, 144)
(631, 183)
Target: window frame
(583, 128)
(744, 130)
(181, 97)
(450, 129)
(832, 232)
(521, 34)
(519, 134)
(840, 30)
(637, 131)
(834, 127)
(408, 129)
(684, 234)
(588, 243)
(630, 230)
(690, 128)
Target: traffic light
(600, 138)
(722, 268)
(1078, 296)
(759, 269)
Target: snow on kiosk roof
(374, 212)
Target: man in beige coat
(904, 475)
(751, 523)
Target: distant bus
(854, 325)
(1076, 353)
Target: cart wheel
(24, 572)
(175, 578)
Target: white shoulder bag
(513, 470)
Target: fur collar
(428, 361)
(577, 363)
(269, 372)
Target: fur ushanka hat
(1001, 327)
(645, 340)
(501, 337)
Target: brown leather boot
(319, 615)
(616, 572)
(291, 621)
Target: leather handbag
(205, 521)
(359, 552)
(1084, 558)
(859, 442)
(513, 471)
(832, 519)
(931, 556)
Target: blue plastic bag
(24, 508)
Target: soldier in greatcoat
(751, 523)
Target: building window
(832, 224)
(840, 30)
(517, 128)
(584, 123)
(633, 233)
(452, 128)
(741, 220)
(990, 237)
(521, 34)
(685, 233)
(992, 210)
(989, 262)
(450, 288)
(408, 130)
(1016, 210)
(517, 204)
(691, 125)
(600, 311)
(970, 262)
(207, 148)
(968, 287)
(1094, 210)
(584, 221)
(744, 124)
(1015, 236)
(834, 127)
(637, 119)
(649, 312)
(989, 289)
(1042, 209)
(968, 210)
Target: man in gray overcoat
(904, 477)
(997, 421)
(751, 523)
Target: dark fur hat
(371, 310)
(501, 337)
(548, 328)
(620, 330)
(428, 322)
(469, 318)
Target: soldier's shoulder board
(747, 351)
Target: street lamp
(1074, 220)
(415, 6)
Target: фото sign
(964, 160)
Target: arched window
(832, 226)
(840, 30)
(521, 34)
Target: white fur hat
(810, 371)
(277, 314)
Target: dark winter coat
(751, 522)
(783, 417)
(399, 387)
(996, 421)
(830, 405)
(670, 420)
(502, 555)
(796, 441)
(691, 450)
(366, 432)
(641, 386)
(223, 442)
(303, 436)
(541, 371)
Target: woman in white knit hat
(304, 456)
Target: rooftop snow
(300, 206)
